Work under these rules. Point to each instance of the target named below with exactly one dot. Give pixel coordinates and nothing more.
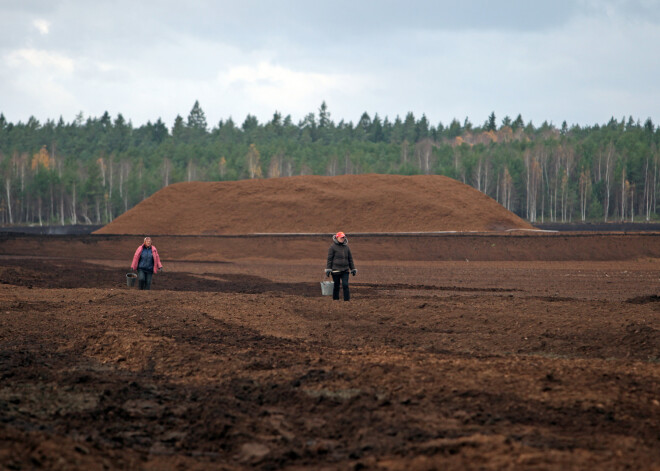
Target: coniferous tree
(363, 127)
(197, 118)
(422, 129)
(409, 125)
(178, 130)
(324, 116)
(454, 129)
(517, 123)
(491, 123)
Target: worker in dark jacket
(340, 264)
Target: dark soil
(240, 363)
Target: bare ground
(241, 363)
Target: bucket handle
(328, 278)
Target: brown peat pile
(316, 204)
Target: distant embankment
(601, 227)
(77, 229)
(84, 229)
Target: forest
(93, 169)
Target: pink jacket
(136, 258)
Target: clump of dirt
(641, 340)
(315, 204)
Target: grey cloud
(443, 58)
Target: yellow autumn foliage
(491, 135)
(41, 159)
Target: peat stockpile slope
(351, 203)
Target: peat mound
(316, 204)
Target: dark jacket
(339, 256)
(146, 262)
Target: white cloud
(274, 87)
(39, 82)
(40, 59)
(42, 26)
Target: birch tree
(253, 162)
(585, 187)
(222, 167)
(275, 166)
(166, 169)
(624, 191)
(191, 170)
(608, 164)
(507, 188)
(423, 151)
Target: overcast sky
(582, 61)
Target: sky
(580, 61)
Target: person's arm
(350, 260)
(331, 256)
(157, 263)
(136, 258)
(328, 265)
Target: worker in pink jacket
(147, 262)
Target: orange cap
(339, 235)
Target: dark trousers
(144, 279)
(343, 278)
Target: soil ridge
(316, 204)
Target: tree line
(93, 169)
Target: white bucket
(327, 287)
